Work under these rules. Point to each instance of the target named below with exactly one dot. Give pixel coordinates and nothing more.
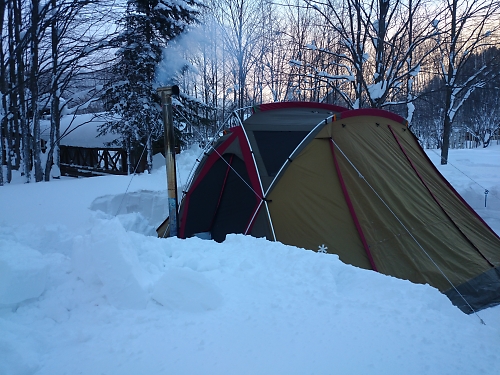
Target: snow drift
(85, 290)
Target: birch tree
(46, 50)
(72, 41)
(3, 91)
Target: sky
(87, 288)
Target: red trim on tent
(221, 191)
(247, 158)
(435, 198)
(456, 192)
(252, 172)
(282, 105)
(212, 158)
(351, 208)
(236, 132)
(372, 112)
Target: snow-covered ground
(86, 288)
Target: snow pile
(186, 290)
(86, 289)
(111, 264)
(23, 273)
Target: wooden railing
(86, 162)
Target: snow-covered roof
(80, 131)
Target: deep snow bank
(85, 290)
(124, 303)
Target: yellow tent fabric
(352, 182)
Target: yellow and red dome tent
(350, 182)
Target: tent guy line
(237, 174)
(487, 192)
(133, 174)
(406, 229)
(262, 198)
(306, 206)
(422, 180)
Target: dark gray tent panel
(355, 182)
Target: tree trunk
(36, 146)
(447, 124)
(3, 91)
(13, 132)
(23, 122)
(359, 58)
(410, 107)
(380, 64)
(446, 139)
(53, 153)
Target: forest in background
(436, 63)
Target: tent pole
(166, 103)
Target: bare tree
(3, 91)
(78, 32)
(37, 28)
(299, 36)
(465, 27)
(13, 146)
(47, 46)
(379, 41)
(483, 123)
(239, 20)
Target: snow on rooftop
(80, 131)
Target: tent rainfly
(352, 182)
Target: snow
(312, 46)
(414, 71)
(80, 131)
(293, 62)
(376, 90)
(86, 288)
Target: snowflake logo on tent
(322, 249)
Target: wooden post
(166, 103)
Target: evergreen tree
(148, 25)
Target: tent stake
(166, 103)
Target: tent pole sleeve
(295, 152)
(270, 221)
(351, 208)
(254, 161)
(261, 190)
